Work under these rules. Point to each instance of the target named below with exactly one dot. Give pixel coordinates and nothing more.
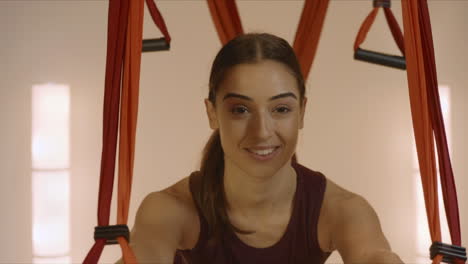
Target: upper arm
(158, 228)
(357, 234)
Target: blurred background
(358, 128)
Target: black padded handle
(158, 44)
(110, 233)
(398, 62)
(449, 252)
(382, 3)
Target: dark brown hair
(208, 191)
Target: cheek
(289, 125)
(233, 126)
(231, 133)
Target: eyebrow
(282, 95)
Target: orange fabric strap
(422, 124)
(226, 19)
(426, 111)
(308, 33)
(228, 25)
(445, 167)
(124, 47)
(392, 23)
(116, 35)
(428, 120)
(128, 118)
(158, 19)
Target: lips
(262, 151)
(263, 155)
(261, 148)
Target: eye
(282, 110)
(238, 110)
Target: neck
(258, 195)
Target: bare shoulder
(160, 225)
(180, 191)
(168, 203)
(184, 202)
(335, 194)
(334, 197)
(342, 203)
(348, 212)
(164, 223)
(164, 209)
(347, 203)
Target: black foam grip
(110, 233)
(158, 44)
(398, 62)
(449, 252)
(382, 3)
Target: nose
(261, 126)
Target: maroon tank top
(298, 245)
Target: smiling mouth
(265, 154)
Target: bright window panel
(51, 213)
(50, 127)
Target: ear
(304, 104)
(211, 113)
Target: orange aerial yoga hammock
(427, 116)
(417, 46)
(124, 47)
(428, 123)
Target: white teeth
(263, 152)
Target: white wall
(358, 127)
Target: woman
(251, 202)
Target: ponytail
(208, 191)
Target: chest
(267, 231)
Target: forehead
(259, 81)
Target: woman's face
(257, 108)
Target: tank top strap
(312, 194)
